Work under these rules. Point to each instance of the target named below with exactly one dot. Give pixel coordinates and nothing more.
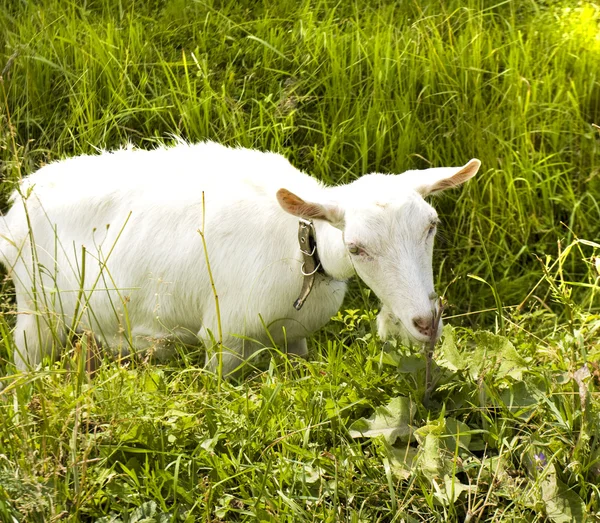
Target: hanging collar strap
(311, 265)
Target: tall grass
(341, 88)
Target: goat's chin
(389, 326)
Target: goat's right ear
(430, 181)
(310, 211)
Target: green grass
(341, 88)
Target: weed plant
(341, 89)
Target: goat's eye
(431, 230)
(355, 249)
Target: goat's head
(388, 231)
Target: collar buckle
(311, 265)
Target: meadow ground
(340, 88)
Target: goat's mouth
(413, 337)
(423, 339)
(392, 325)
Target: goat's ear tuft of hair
(295, 205)
(435, 180)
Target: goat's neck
(332, 251)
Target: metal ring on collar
(309, 273)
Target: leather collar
(311, 265)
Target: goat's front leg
(231, 351)
(298, 348)
(231, 354)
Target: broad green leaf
(148, 512)
(153, 381)
(391, 421)
(411, 364)
(174, 414)
(430, 460)
(107, 519)
(477, 361)
(387, 358)
(137, 434)
(522, 397)
(223, 506)
(209, 444)
(595, 469)
(457, 430)
(496, 468)
(450, 490)
(511, 363)
(402, 460)
(434, 459)
(310, 474)
(436, 427)
(493, 350)
(450, 357)
(406, 364)
(563, 505)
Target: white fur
(137, 213)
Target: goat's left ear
(295, 205)
(439, 179)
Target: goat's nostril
(424, 325)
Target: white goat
(110, 244)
